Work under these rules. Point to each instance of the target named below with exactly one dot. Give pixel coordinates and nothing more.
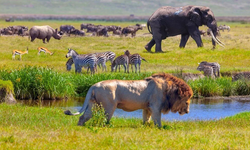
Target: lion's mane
(184, 90)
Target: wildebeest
(66, 28)
(131, 30)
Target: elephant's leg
(158, 45)
(86, 116)
(195, 34)
(150, 45)
(146, 116)
(44, 41)
(184, 39)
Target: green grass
(24, 127)
(234, 57)
(55, 79)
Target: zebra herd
(90, 61)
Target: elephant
(43, 32)
(185, 21)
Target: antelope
(19, 52)
(43, 49)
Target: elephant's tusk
(215, 39)
(219, 41)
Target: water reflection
(200, 109)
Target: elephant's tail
(149, 28)
(85, 104)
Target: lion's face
(181, 106)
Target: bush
(99, 118)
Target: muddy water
(200, 109)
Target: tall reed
(38, 83)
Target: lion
(156, 94)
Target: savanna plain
(38, 127)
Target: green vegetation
(45, 76)
(117, 7)
(24, 127)
(44, 83)
(7, 86)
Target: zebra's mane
(73, 50)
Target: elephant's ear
(195, 16)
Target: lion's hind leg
(146, 116)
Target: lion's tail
(85, 104)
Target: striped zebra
(69, 63)
(208, 70)
(110, 56)
(214, 65)
(135, 60)
(101, 60)
(103, 57)
(82, 61)
(120, 60)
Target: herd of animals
(154, 25)
(94, 30)
(159, 93)
(92, 60)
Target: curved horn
(215, 39)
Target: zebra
(69, 63)
(208, 70)
(101, 60)
(224, 27)
(120, 60)
(134, 59)
(214, 65)
(103, 57)
(82, 61)
(110, 56)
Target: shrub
(99, 118)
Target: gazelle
(45, 50)
(18, 52)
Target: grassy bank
(45, 83)
(24, 127)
